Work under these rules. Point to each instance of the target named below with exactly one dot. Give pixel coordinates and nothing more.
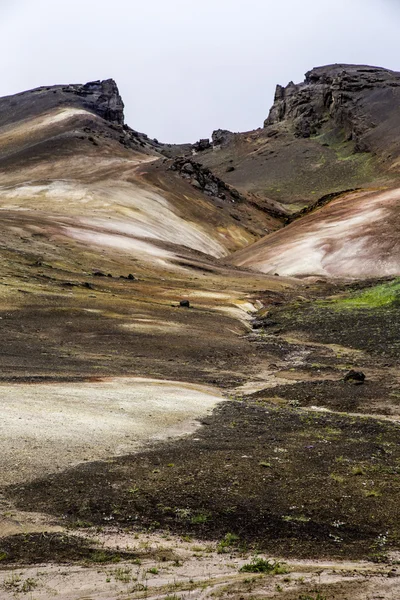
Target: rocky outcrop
(201, 145)
(221, 137)
(101, 97)
(344, 94)
(204, 180)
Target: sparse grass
(229, 541)
(358, 471)
(199, 519)
(296, 519)
(29, 585)
(337, 478)
(12, 582)
(372, 494)
(123, 575)
(260, 565)
(103, 557)
(386, 294)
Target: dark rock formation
(356, 377)
(204, 180)
(353, 97)
(221, 137)
(101, 97)
(201, 145)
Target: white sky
(186, 67)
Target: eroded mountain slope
(338, 130)
(354, 236)
(104, 233)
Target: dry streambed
(125, 565)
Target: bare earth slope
(355, 236)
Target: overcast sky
(187, 67)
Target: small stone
(131, 277)
(356, 377)
(184, 303)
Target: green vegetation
(103, 557)
(199, 519)
(260, 565)
(29, 585)
(123, 575)
(386, 294)
(229, 541)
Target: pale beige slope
(55, 426)
(356, 236)
(95, 194)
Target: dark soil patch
(340, 395)
(38, 548)
(372, 330)
(284, 481)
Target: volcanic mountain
(201, 341)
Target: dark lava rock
(204, 179)
(102, 97)
(99, 274)
(221, 137)
(202, 145)
(356, 377)
(99, 97)
(130, 277)
(184, 303)
(353, 97)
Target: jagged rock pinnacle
(102, 97)
(331, 92)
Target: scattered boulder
(356, 377)
(184, 304)
(130, 277)
(221, 137)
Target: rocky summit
(200, 375)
